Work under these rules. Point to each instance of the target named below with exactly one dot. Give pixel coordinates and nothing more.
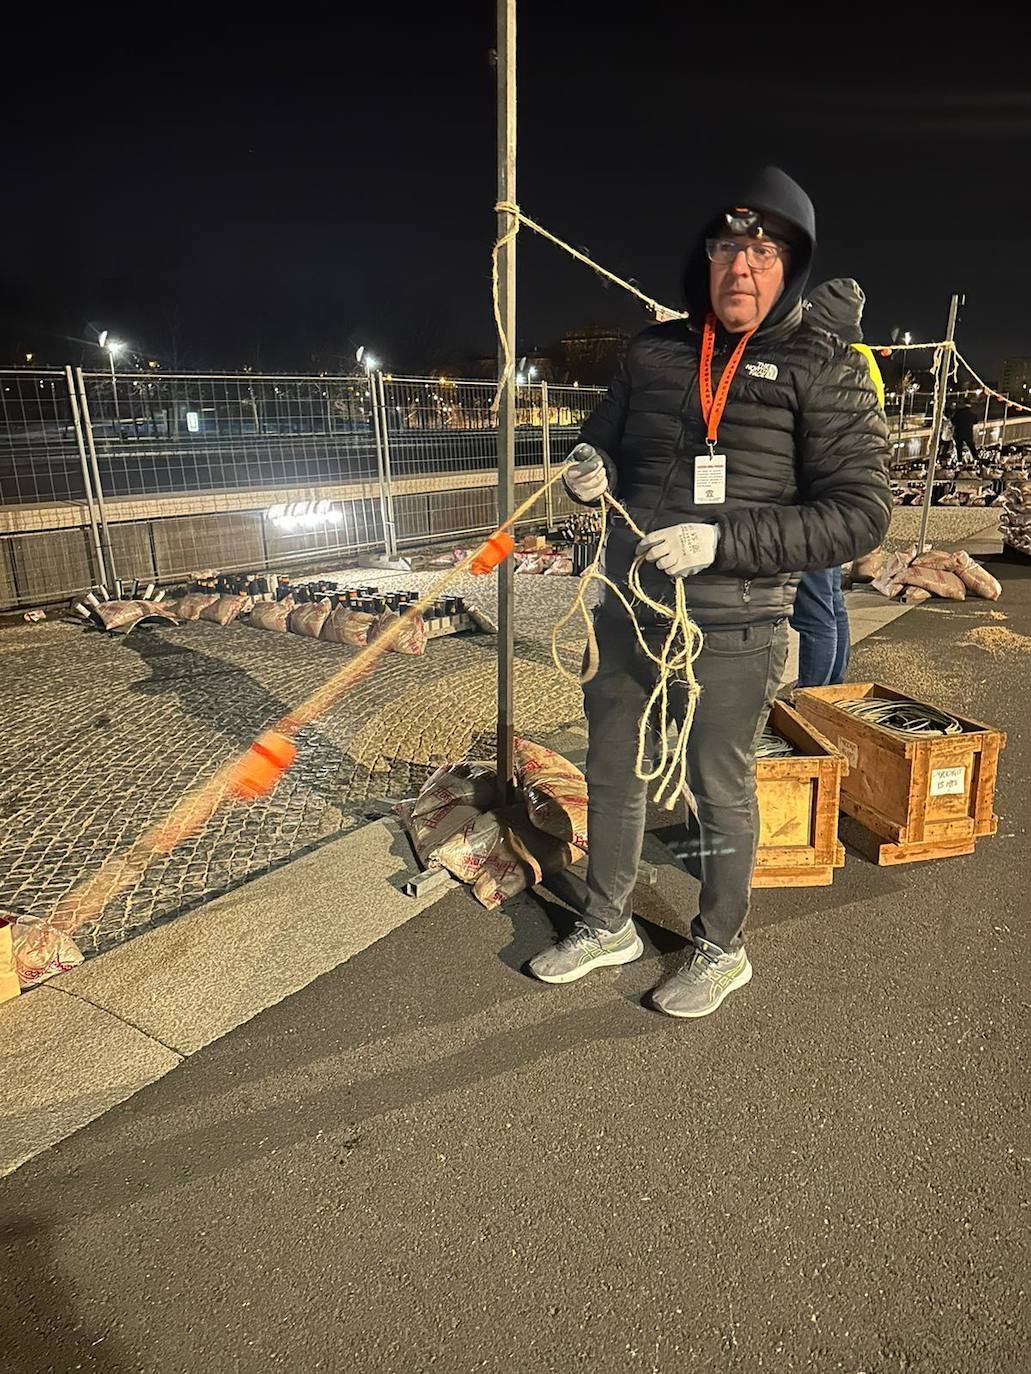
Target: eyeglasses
(760, 254)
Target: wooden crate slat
(798, 807)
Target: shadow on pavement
(40, 1329)
(170, 1160)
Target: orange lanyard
(714, 406)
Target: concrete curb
(90, 1039)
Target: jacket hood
(837, 306)
(778, 194)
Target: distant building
(1016, 378)
(589, 355)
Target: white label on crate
(850, 749)
(948, 782)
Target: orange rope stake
(260, 767)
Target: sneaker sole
(611, 960)
(742, 980)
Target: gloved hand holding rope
(586, 478)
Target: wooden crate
(916, 798)
(798, 808)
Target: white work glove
(587, 480)
(680, 550)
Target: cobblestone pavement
(104, 734)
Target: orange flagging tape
(494, 552)
(256, 773)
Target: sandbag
(888, 580)
(272, 615)
(118, 615)
(520, 857)
(555, 791)
(411, 638)
(159, 610)
(41, 950)
(935, 580)
(529, 563)
(869, 565)
(309, 618)
(501, 876)
(937, 558)
(482, 620)
(333, 626)
(345, 626)
(474, 784)
(914, 595)
(561, 566)
(464, 853)
(435, 825)
(977, 578)
(500, 852)
(190, 606)
(385, 621)
(225, 609)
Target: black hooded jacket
(805, 441)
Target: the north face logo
(769, 372)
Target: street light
(113, 349)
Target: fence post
(105, 533)
(549, 495)
(380, 465)
(941, 391)
(98, 553)
(390, 527)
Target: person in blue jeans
(819, 615)
(824, 638)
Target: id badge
(710, 479)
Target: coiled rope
(674, 663)
(903, 717)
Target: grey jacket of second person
(805, 440)
(837, 306)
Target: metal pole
(506, 411)
(549, 495)
(391, 525)
(98, 490)
(941, 387)
(114, 388)
(98, 552)
(381, 468)
(984, 422)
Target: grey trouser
(739, 672)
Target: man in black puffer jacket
(750, 447)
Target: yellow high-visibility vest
(875, 371)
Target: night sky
(274, 195)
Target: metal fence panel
(39, 453)
(180, 470)
(157, 434)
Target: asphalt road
(426, 1161)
